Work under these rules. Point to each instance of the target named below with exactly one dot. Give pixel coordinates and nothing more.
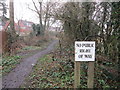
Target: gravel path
(16, 77)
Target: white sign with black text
(84, 50)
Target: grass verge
(48, 73)
(9, 62)
(58, 73)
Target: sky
(21, 11)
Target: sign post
(77, 74)
(84, 51)
(90, 75)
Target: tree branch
(36, 7)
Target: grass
(57, 73)
(48, 74)
(8, 63)
(31, 48)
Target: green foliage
(37, 30)
(60, 74)
(30, 48)
(9, 62)
(50, 75)
(106, 75)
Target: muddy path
(16, 77)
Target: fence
(3, 42)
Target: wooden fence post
(3, 42)
(77, 74)
(90, 74)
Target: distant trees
(3, 7)
(36, 29)
(39, 12)
(43, 12)
(3, 11)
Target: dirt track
(16, 77)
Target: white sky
(21, 10)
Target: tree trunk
(11, 11)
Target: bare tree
(44, 12)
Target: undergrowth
(48, 73)
(9, 62)
(56, 70)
